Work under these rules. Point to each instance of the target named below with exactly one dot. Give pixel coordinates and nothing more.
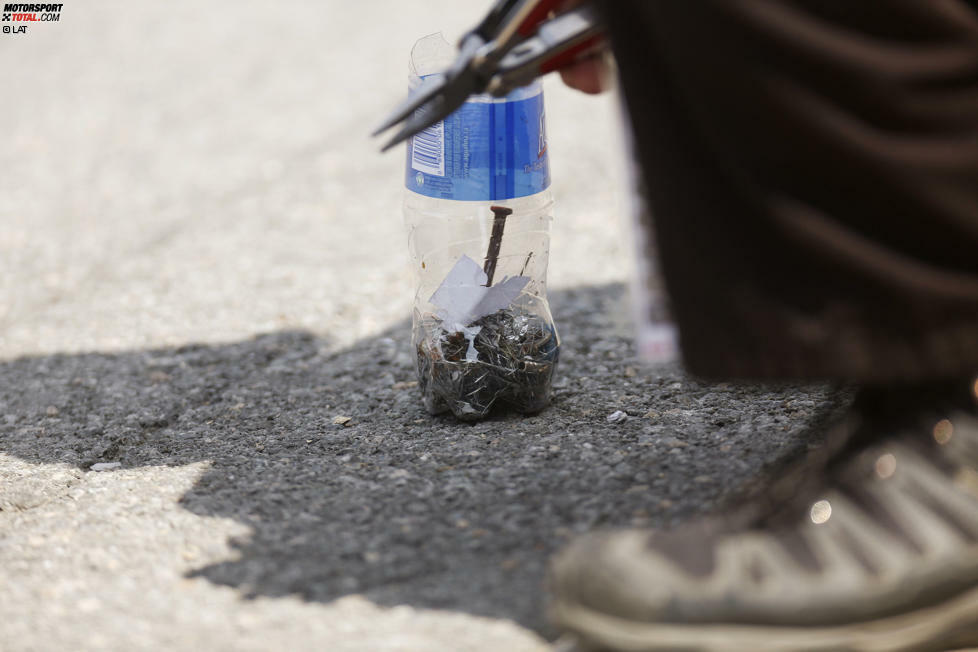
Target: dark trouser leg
(813, 176)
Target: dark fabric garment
(812, 173)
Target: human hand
(592, 74)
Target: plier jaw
(513, 45)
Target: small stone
(405, 385)
(342, 421)
(672, 442)
(52, 411)
(106, 466)
(630, 372)
(702, 479)
(617, 417)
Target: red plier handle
(519, 16)
(556, 42)
(510, 21)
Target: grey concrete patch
(397, 505)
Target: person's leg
(812, 169)
(812, 174)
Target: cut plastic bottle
(478, 210)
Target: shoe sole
(951, 625)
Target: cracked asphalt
(202, 266)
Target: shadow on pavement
(400, 506)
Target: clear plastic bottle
(478, 209)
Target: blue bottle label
(489, 149)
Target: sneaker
(871, 544)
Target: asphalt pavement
(210, 433)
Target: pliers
(513, 45)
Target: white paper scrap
(471, 354)
(463, 296)
(105, 466)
